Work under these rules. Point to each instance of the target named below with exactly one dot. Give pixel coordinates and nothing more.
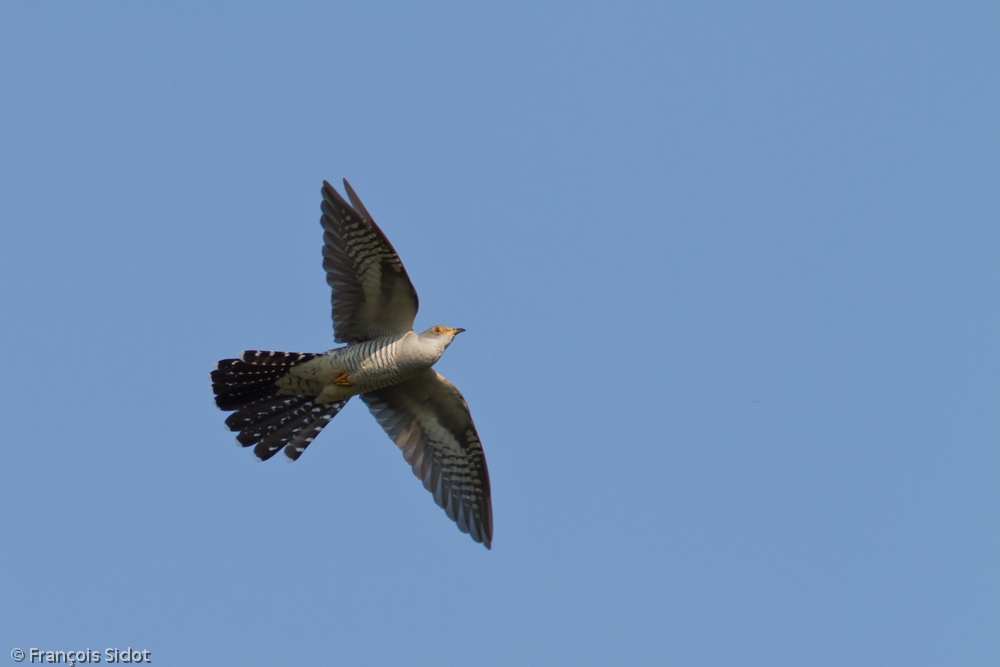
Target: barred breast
(372, 364)
(361, 367)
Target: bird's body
(362, 367)
(282, 400)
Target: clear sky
(731, 280)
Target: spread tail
(265, 418)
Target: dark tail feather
(276, 431)
(250, 378)
(296, 430)
(262, 416)
(261, 410)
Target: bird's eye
(438, 330)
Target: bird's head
(442, 334)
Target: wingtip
(352, 195)
(356, 203)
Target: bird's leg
(341, 380)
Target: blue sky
(731, 284)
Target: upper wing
(429, 420)
(372, 295)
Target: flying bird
(282, 400)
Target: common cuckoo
(282, 400)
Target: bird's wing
(372, 295)
(429, 421)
